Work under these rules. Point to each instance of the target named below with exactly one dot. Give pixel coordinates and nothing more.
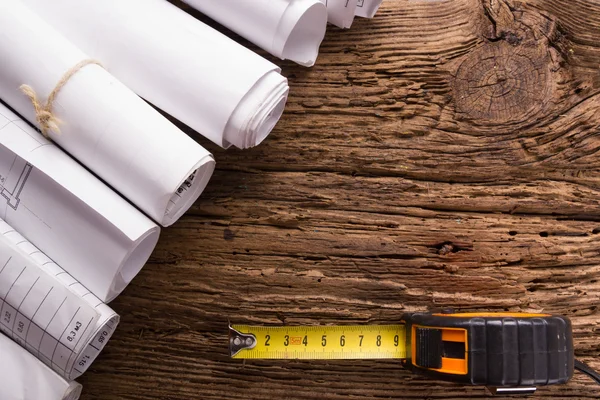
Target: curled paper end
(347, 23)
(133, 263)
(308, 20)
(189, 190)
(24, 377)
(259, 111)
(368, 8)
(95, 346)
(74, 391)
(341, 12)
(269, 120)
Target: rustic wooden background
(444, 154)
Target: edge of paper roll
(362, 11)
(94, 347)
(258, 112)
(342, 18)
(302, 30)
(133, 262)
(73, 391)
(192, 187)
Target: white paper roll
(367, 8)
(46, 311)
(199, 76)
(68, 213)
(24, 377)
(341, 12)
(289, 29)
(104, 125)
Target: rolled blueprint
(46, 311)
(201, 77)
(341, 12)
(104, 125)
(80, 223)
(24, 377)
(289, 29)
(367, 8)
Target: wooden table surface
(444, 154)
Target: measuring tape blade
(318, 342)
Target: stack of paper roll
(288, 29)
(88, 229)
(83, 195)
(138, 152)
(219, 88)
(50, 315)
(47, 311)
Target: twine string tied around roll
(46, 120)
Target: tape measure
(506, 351)
(320, 342)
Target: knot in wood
(502, 83)
(447, 248)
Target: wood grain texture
(444, 154)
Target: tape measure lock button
(428, 347)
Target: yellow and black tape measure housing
(491, 349)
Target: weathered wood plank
(441, 155)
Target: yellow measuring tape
(318, 342)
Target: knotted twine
(46, 120)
